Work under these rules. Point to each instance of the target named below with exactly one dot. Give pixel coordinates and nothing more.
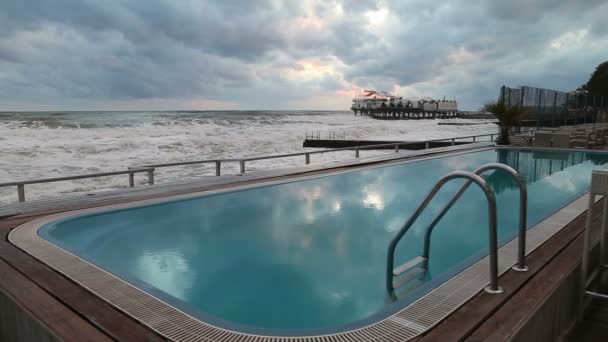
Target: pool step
(411, 275)
(409, 265)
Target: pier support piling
(21, 192)
(218, 168)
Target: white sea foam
(50, 145)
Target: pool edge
(399, 325)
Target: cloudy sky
(288, 54)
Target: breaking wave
(40, 145)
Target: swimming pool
(310, 255)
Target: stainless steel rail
(131, 172)
(493, 234)
(523, 208)
(217, 162)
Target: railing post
(357, 153)
(396, 148)
(453, 141)
(151, 177)
(218, 168)
(426, 145)
(474, 138)
(131, 179)
(242, 163)
(307, 158)
(491, 137)
(21, 192)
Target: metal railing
(150, 168)
(307, 155)
(392, 272)
(331, 135)
(217, 162)
(131, 172)
(523, 209)
(357, 149)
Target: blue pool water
(311, 254)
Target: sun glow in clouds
(376, 18)
(569, 39)
(309, 69)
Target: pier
(403, 113)
(337, 140)
(380, 145)
(384, 106)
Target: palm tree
(508, 116)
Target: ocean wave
(92, 142)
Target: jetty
(385, 106)
(405, 113)
(382, 144)
(338, 140)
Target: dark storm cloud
(244, 51)
(534, 10)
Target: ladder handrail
(493, 234)
(523, 208)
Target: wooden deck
(594, 326)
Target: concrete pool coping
(409, 322)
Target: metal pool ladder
(417, 266)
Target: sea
(52, 144)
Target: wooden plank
(594, 327)
(95, 310)
(468, 318)
(58, 319)
(503, 324)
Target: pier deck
(409, 145)
(405, 113)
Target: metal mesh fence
(546, 106)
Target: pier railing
(307, 155)
(131, 172)
(150, 168)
